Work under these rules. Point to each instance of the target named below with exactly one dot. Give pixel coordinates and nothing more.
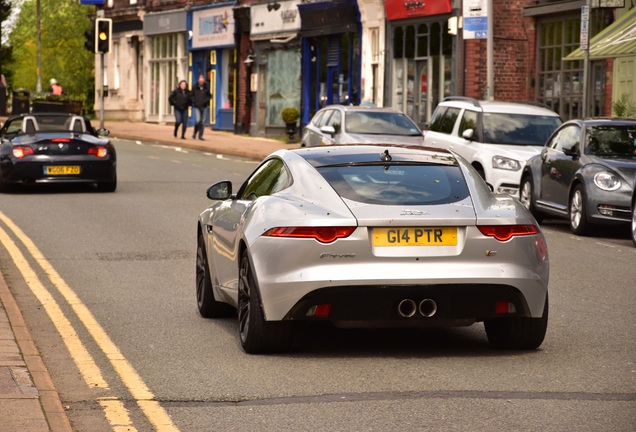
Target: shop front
(213, 55)
(419, 60)
(164, 34)
(275, 63)
(331, 48)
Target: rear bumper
(379, 306)
(14, 171)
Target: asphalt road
(120, 267)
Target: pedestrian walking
(181, 100)
(201, 101)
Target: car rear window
(397, 184)
(519, 129)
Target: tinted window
(611, 141)
(469, 121)
(448, 122)
(393, 184)
(317, 118)
(268, 178)
(335, 120)
(436, 121)
(568, 137)
(518, 129)
(323, 120)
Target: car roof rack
(463, 98)
(535, 103)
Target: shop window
(421, 69)
(560, 82)
(398, 43)
(283, 83)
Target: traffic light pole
(101, 93)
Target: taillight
(22, 151)
(506, 232)
(322, 234)
(98, 151)
(61, 140)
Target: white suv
(497, 138)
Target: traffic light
(90, 39)
(103, 28)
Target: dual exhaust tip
(407, 308)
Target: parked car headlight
(505, 163)
(607, 181)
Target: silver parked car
(339, 124)
(370, 236)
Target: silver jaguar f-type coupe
(370, 236)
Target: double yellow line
(114, 409)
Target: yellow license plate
(62, 170)
(415, 236)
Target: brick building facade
(391, 53)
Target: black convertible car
(55, 148)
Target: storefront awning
(617, 40)
(275, 38)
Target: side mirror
(329, 130)
(220, 191)
(571, 151)
(103, 132)
(469, 134)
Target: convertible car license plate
(415, 236)
(62, 170)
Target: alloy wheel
(244, 290)
(200, 272)
(576, 209)
(525, 194)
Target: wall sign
(213, 27)
(401, 9)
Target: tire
(208, 306)
(4, 187)
(526, 197)
(633, 226)
(257, 335)
(577, 210)
(110, 186)
(517, 333)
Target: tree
(5, 11)
(63, 23)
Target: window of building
(421, 68)
(166, 55)
(559, 82)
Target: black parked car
(586, 172)
(55, 148)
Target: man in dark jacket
(201, 101)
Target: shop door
(199, 63)
(332, 85)
(262, 98)
(422, 93)
(200, 66)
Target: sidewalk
(219, 142)
(29, 401)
